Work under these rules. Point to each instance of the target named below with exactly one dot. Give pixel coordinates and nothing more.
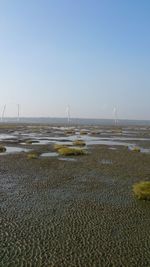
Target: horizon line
(80, 118)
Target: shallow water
(90, 140)
(68, 159)
(145, 150)
(106, 161)
(108, 143)
(42, 139)
(142, 150)
(112, 148)
(6, 136)
(49, 154)
(12, 150)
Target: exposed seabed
(75, 211)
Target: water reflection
(12, 150)
(49, 154)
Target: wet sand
(74, 213)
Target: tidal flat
(77, 212)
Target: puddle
(130, 139)
(63, 128)
(142, 150)
(13, 150)
(89, 140)
(49, 154)
(68, 159)
(113, 148)
(106, 161)
(6, 136)
(145, 150)
(43, 139)
(108, 143)
(30, 142)
(50, 140)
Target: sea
(75, 121)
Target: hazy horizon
(92, 55)
(21, 118)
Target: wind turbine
(115, 115)
(18, 112)
(3, 112)
(68, 113)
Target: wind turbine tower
(68, 113)
(18, 118)
(115, 115)
(3, 112)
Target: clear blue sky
(91, 54)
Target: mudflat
(79, 212)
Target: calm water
(78, 121)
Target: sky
(91, 54)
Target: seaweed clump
(79, 143)
(33, 155)
(136, 149)
(83, 132)
(66, 151)
(69, 132)
(59, 146)
(142, 190)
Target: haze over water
(77, 121)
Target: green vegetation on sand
(136, 149)
(83, 133)
(70, 132)
(66, 151)
(79, 143)
(33, 155)
(58, 146)
(142, 190)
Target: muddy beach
(74, 211)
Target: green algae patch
(83, 133)
(2, 149)
(79, 143)
(70, 132)
(136, 149)
(118, 130)
(66, 151)
(57, 146)
(142, 190)
(33, 155)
